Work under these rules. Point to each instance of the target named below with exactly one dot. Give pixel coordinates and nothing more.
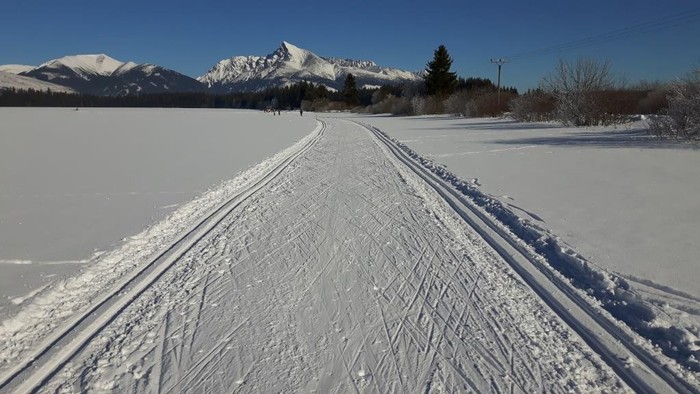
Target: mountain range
(105, 76)
(290, 64)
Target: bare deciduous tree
(574, 86)
(682, 119)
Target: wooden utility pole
(500, 63)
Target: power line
(630, 31)
(663, 23)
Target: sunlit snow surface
(625, 201)
(73, 183)
(316, 276)
(341, 273)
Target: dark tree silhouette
(350, 90)
(439, 80)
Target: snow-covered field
(349, 262)
(73, 183)
(625, 201)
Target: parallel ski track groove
(127, 289)
(505, 245)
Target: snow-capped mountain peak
(290, 64)
(292, 50)
(100, 64)
(102, 75)
(294, 54)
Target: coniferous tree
(350, 90)
(439, 80)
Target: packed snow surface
(625, 201)
(74, 183)
(342, 272)
(349, 262)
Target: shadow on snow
(636, 138)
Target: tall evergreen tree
(350, 90)
(439, 80)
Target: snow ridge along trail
(81, 328)
(617, 346)
(344, 272)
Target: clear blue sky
(191, 36)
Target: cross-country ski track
(343, 267)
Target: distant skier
(301, 112)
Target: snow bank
(611, 291)
(622, 198)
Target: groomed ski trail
(618, 347)
(342, 273)
(75, 332)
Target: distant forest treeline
(304, 94)
(287, 97)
